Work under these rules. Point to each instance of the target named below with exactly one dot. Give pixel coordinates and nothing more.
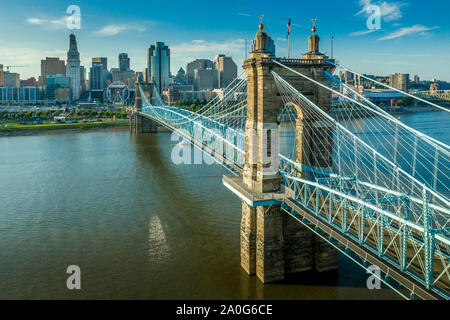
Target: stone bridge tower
(272, 243)
(143, 124)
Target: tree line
(48, 114)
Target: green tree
(47, 114)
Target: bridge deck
(411, 284)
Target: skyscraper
(399, 81)
(82, 80)
(96, 76)
(73, 67)
(158, 63)
(51, 66)
(124, 62)
(58, 88)
(11, 79)
(197, 64)
(226, 69)
(102, 60)
(106, 77)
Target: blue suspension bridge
(370, 186)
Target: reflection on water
(158, 248)
(138, 225)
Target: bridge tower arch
(141, 123)
(272, 243)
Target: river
(138, 225)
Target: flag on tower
(289, 27)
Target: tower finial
(314, 29)
(261, 26)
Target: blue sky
(414, 36)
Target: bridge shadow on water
(193, 243)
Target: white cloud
(204, 49)
(36, 21)
(183, 53)
(407, 31)
(61, 22)
(114, 29)
(28, 57)
(52, 24)
(244, 14)
(389, 11)
(361, 33)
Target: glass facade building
(22, 94)
(158, 63)
(54, 83)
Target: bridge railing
(225, 142)
(382, 226)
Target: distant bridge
(435, 96)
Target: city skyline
(405, 27)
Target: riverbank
(16, 129)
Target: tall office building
(51, 66)
(58, 88)
(399, 81)
(226, 70)
(96, 73)
(102, 60)
(82, 80)
(126, 76)
(158, 64)
(11, 79)
(73, 67)
(124, 62)
(197, 64)
(123, 73)
(201, 74)
(106, 77)
(145, 75)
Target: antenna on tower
(332, 44)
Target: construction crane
(7, 67)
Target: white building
(73, 67)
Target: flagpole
(289, 45)
(289, 37)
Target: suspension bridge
(320, 170)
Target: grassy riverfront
(12, 123)
(13, 126)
